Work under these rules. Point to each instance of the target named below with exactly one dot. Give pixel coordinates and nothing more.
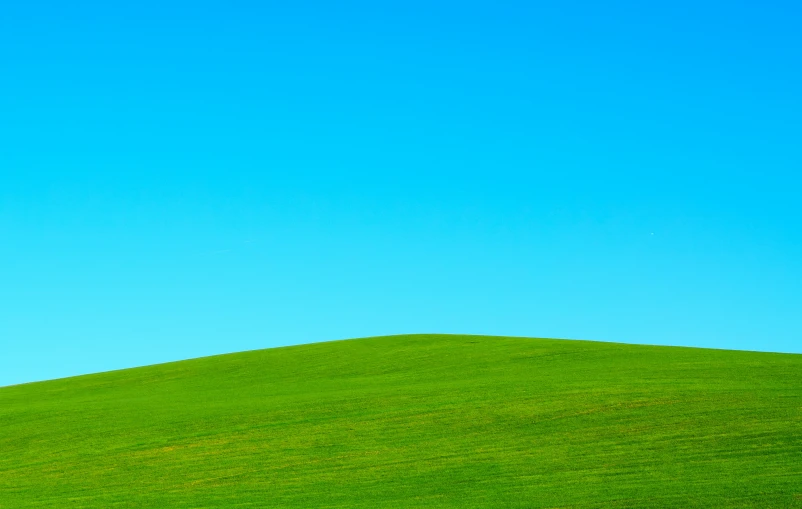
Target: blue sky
(181, 179)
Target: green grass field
(414, 421)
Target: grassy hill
(414, 421)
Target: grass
(414, 421)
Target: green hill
(414, 421)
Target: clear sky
(181, 179)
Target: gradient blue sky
(181, 179)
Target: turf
(414, 421)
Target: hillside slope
(414, 421)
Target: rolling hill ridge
(414, 421)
